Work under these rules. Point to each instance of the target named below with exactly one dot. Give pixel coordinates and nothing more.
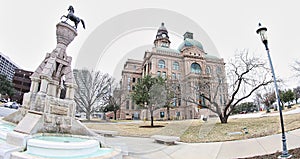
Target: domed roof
(190, 42)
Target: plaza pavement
(146, 148)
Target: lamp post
(262, 32)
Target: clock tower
(162, 37)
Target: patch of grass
(188, 130)
(192, 133)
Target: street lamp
(262, 32)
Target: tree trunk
(151, 113)
(223, 118)
(88, 116)
(115, 115)
(168, 112)
(152, 121)
(104, 116)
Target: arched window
(218, 70)
(161, 64)
(195, 68)
(208, 70)
(175, 66)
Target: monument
(49, 109)
(49, 106)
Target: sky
(115, 31)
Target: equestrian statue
(73, 18)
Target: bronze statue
(73, 18)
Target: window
(195, 68)
(132, 105)
(158, 73)
(164, 44)
(175, 66)
(164, 75)
(173, 76)
(161, 64)
(133, 80)
(162, 114)
(128, 80)
(218, 70)
(178, 76)
(174, 102)
(208, 70)
(127, 105)
(220, 80)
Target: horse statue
(73, 18)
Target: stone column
(44, 85)
(34, 85)
(52, 88)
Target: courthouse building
(188, 64)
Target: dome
(190, 42)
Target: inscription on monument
(58, 110)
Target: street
(6, 111)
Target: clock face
(164, 35)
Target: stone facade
(188, 64)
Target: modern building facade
(7, 67)
(21, 82)
(189, 66)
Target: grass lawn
(190, 130)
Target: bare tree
(297, 93)
(172, 88)
(268, 99)
(296, 68)
(157, 98)
(93, 88)
(245, 75)
(150, 93)
(115, 99)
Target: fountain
(45, 125)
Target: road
(6, 111)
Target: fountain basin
(4, 129)
(67, 147)
(60, 146)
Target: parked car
(11, 105)
(128, 116)
(3, 100)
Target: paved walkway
(146, 148)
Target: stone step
(6, 149)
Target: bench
(106, 132)
(169, 140)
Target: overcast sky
(27, 29)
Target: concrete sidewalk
(146, 148)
